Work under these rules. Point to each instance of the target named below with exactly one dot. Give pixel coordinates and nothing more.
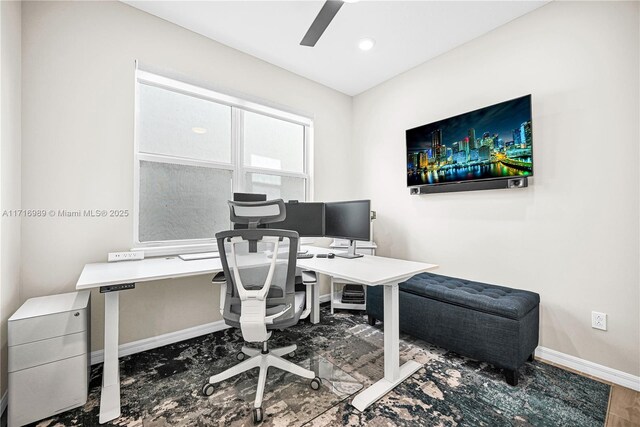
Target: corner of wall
(10, 170)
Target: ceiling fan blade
(322, 21)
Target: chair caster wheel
(315, 383)
(207, 389)
(257, 415)
(292, 354)
(241, 356)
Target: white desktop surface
(144, 270)
(369, 270)
(168, 267)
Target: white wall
(10, 75)
(573, 236)
(78, 94)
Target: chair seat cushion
(492, 299)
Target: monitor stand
(351, 253)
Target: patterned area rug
(161, 387)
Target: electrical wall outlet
(599, 320)
(125, 256)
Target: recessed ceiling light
(366, 43)
(199, 131)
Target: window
(273, 159)
(194, 147)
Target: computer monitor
(348, 220)
(249, 197)
(307, 218)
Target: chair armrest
(221, 279)
(309, 277)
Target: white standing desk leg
(110, 394)
(394, 374)
(315, 312)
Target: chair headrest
(256, 213)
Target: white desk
(369, 270)
(377, 271)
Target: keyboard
(203, 255)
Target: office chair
(259, 270)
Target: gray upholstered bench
(485, 322)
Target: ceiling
(407, 33)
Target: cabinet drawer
(43, 327)
(45, 390)
(40, 352)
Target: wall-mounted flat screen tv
(494, 142)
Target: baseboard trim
(590, 368)
(324, 298)
(3, 403)
(161, 340)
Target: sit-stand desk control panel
(115, 288)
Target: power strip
(125, 256)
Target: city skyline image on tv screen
(489, 143)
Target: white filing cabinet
(365, 248)
(48, 356)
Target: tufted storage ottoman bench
(485, 322)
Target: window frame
(238, 107)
